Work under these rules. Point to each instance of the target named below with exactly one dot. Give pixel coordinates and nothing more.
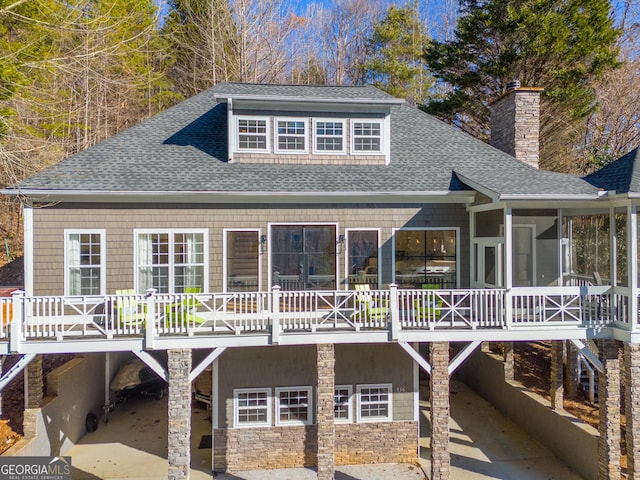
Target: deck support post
(632, 408)
(439, 387)
(325, 360)
(34, 383)
(179, 414)
(509, 361)
(557, 383)
(609, 450)
(571, 359)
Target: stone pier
(557, 377)
(325, 355)
(440, 459)
(632, 408)
(609, 449)
(179, 441)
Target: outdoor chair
(428, 309)
(374, 311)
(184, 311)
(131, 312)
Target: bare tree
(264, 29)
(346, 26)
(614, 129)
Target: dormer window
(366, 137)
(329, 136)
(253, 134)
(291, 135)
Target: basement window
(252, 407)
(374, 403)
(342, 411)
(294, 406)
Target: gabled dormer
(307, 124)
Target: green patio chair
(373, 311)
(185, 310)
(431, 310)
(131, 312)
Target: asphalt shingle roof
(622, 175)
(184, 149)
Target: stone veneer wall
(515, 124)
(296, 446)
(391, 442)
(257, 448)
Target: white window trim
(305, 136)
(344, 136)
(267, 134)
(205, 239)
(383, 139)
(224, 254)
(236, 407)
(309, 391)
(103, 257)
(389, 388)
(347, 267)
(433, 229)
(349, 418)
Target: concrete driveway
(484, 445)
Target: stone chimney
(515, 123)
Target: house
(318, 246)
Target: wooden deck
(162, 321)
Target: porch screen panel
(426, 257)
(303, 257)
(588, 250)
(242, 261)
(622, 277)
(363, 257)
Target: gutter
(236, 196)
(280, 99)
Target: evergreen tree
(560, 45)
(395, 50)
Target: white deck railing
(287, 312)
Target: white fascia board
(495, 196)
(476, 186)
(549, 196)
(37, 196)
(305, 100)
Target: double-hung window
(252, 407)
(342, 411)
(293, 405)
(374, 403)
(170, 261)
(291, 135)
(366, 137)
(85, 262)
(253, 134)
(329, 136)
